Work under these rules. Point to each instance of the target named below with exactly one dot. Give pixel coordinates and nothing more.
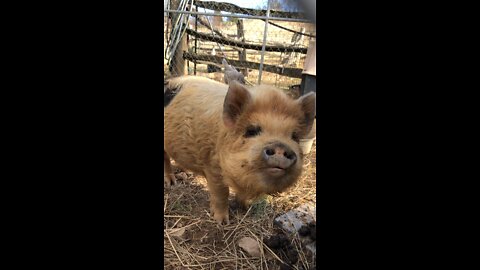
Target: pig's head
(259, 150)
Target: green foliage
(260, 206)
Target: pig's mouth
(278, 159)
(276, 171)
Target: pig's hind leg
(168, 176)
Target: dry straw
(192, 240)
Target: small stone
(250, 245)
(178, 232)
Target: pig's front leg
(168, 176)
(218, 198)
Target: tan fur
(196, 137)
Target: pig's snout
(278, 157)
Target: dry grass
(192, 239)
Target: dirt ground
(193, 240)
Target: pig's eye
(295, 137)
(252, 131)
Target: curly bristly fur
(223, 132)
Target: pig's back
(192, 121)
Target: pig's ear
(235, 102)
(308, 105)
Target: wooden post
(291, 58)
(262, 56)
(217, 24)
(216, 20)
(177, 63)
(242, 55)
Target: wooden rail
(243, 45)
(287, 71)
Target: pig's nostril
(289, 155)
(269, 152)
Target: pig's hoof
(169, 180)
(221, 218)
